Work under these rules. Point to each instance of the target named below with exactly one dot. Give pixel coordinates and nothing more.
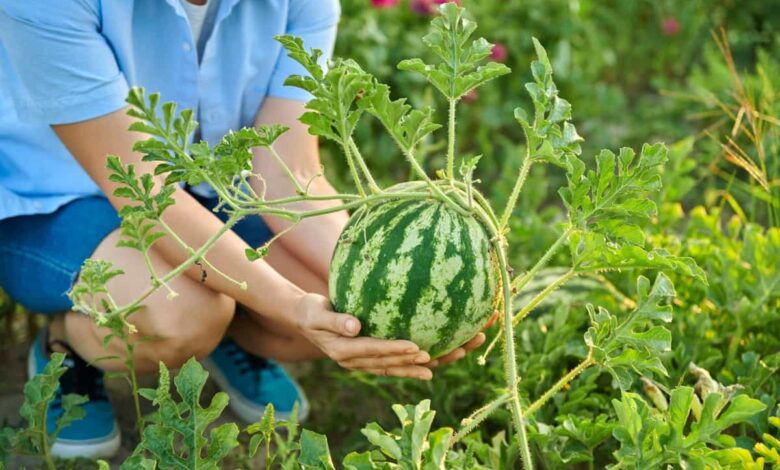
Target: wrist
(281, 304)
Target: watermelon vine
(606, 208)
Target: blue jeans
(41, 255)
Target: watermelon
(415, 270)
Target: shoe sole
(244, 408)
(103, 447)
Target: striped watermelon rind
(416, 270)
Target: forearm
(190, 221)
(313, 240)
(194, 225)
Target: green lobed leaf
(460, 69)
(407, 126)
(633, 343)
(176, 437)
(315, 453)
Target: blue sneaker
(95, 436)
(253, 382)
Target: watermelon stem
(125, 311)
(520, 281)
(451, 141)
(352, 169)
(511, 359)
(287, 171)
(364, 168)
(512, 202)
(562, 382)
(541, 295)
(436, 190)
(477, 417)
(190, 251)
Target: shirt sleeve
(66, 70)
(315, 21)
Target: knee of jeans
(194, 329)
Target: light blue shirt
(65, 61)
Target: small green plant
(686, 432)
(278, 438)
(39, 391)
(176, 436)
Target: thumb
(321, 317)
(339, 323)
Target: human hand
(460, 353)
(335, 334)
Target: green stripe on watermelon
(415, 270)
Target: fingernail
(422, 358)
(412, 349)
(351, 326)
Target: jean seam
(41, 259)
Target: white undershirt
(201, 18)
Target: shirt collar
(225, 7)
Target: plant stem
(287, 170)
(134, 384)
(451, 141)
(352, 169)
(45, 440)
(361, 161)
(520, 281)
(418, 169)
(156, 281)
(482, 360)
(477, 417)
(280, 234)
(521, 177)
(183, 153)
(510, 359)
(562, 382)
(183, 266)
(293, 199)
(190, 251)
(541, 296)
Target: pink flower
(670, 26)
(471, 96)
(428, 7)
(385, 3)
(498, 53)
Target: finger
(387, 361)
(448, 358)
(342, 349)
(491, 320)
(475, 342)
(458, 353)
(412, 372)
(338, 323)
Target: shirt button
(186, 47)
